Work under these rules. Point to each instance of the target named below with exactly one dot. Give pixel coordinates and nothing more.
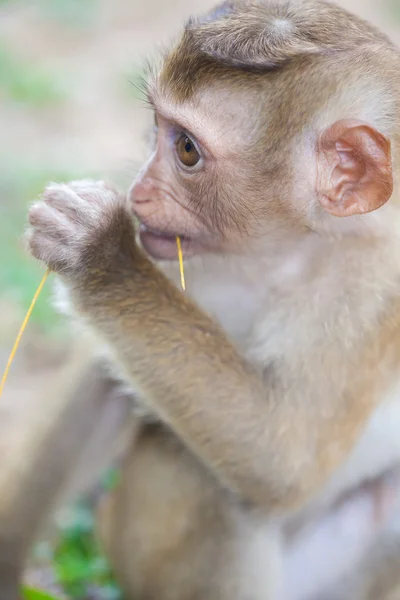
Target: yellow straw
(178, 243)
(21, 331)
(36, 296)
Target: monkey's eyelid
(176, 126)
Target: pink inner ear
(355, 172)
(351, 167)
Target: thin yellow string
(32, 306)
(180, 257)
(21, 331)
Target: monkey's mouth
(161, 245)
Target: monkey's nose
(141, 191)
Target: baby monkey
(271, 388)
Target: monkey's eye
(187, 151)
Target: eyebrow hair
(154, 99)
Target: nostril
(137, 200)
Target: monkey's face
(232, 171)
(199, 182)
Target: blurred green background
(69, 108)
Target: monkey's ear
(354, 168)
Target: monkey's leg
(172, 534)
(380, 576)
(326, 554)
(52, 450)
(377, 576)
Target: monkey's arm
(256, 430)
(53, 449)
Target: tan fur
(165, 553)
(269, 382)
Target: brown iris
(187, 152)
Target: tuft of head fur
(257, 36)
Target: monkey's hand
(82, 231)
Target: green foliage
(111, 479)
(33, 594)
(28, 84)
(78, 562)
(393, 8)
(75, 13)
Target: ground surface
(69, 107)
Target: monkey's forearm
(197, 382)
(187, 370)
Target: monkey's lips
(162, 245)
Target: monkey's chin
(163, 247)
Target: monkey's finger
(47, 220)
(45, 250)
(100, 192)
(64, 199)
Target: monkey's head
(271, 119)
